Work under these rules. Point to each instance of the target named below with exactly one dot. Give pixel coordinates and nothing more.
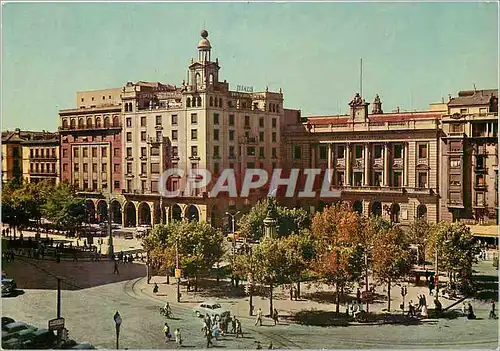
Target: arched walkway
(192, 213)
(116, 212)
(130, 220)
(144, 213)
(422, 212)
(102, 211)
(358, 206)
(395, 210)
(176, 213)
(376, 209)
(90, 211)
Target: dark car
(41, 339)
(6, 320)
(12, 330)
(8, 285)
(83, 347)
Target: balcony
(480, 186)
(480, 168)
(378, 162)
(248, 140)
(454, 135)
(422, 161)
(370, 189)
(83, 128)
(340, 162)
(455, 203)
(358, 163)
(155, 140)
(397, 163)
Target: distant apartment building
(469, 158)
(384, 164)
(33, 156)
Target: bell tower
(203, 73)
(358, 109)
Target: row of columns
(367, 166)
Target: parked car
(6, 320)
(8, 285)
(42, 339)
(12, 330)
(211, 308)
(83, 347)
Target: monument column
(366, 180)
(348, 164)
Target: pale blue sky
(413, 53)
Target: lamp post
(233, 222)
(118, 321)
(177, 271)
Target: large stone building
(385, 164)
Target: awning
(489, 231)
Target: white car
(211, 308)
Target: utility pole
(59, 331)
(366, 280)
(177, 272)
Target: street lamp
(232, 220)
(118, 321)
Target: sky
(413, 53)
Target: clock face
(359, 113)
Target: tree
(418, 234)
(64, 208)
(340, 262)
(288, 221)
(456, 250)
(390, 257)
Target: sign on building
(244, 88)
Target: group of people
(274, 316)
(168, 335)
(421, 307)
(353, 308)
(215, 326)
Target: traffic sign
(56, 324)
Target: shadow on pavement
(14, 293)
(487, 287)
(40, 274)
(330, 297)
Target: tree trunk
(389, 295)
(298, 290)
(168, 277)
(337, 309)
(196, 283)
(250, 312)
(271, 299)
(291, 291)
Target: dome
(204, 44)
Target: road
(89, 318)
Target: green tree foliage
(63, 207)
(288, 221)
(390, 256)
(418, 234)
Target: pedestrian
(116, 267)
(166, 331)
(358, 296)
(492, 311)
(410, 309)
(470, 314)
(233, 325)
(275, 316)
(425, 313)
(464, 308)
(259, 317)
(347, 309)
(178, 337)
(270, 347)
(239, 330)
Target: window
(261, 152)
(250, 151)
(194, 134)
(455, 146)
(129, 185)
(273, 137)
(129, 122)
(104, 152)
(104, 167)
(323, 152)
(216, 134)
(175, 165)
(231, 135)
(398, 151)
(422, 179)
(261, 122)
(117, 184)
(480, 162)
(31, 153)
(216, 151)
(341, 151)
(455, 179)
(158, 120)
(231, 165)
(155, 168)
(65, 153)
(144, 152)
(174, 120)
(194, 151)
(175, 151)
(247, 121)
(94, 167)
(250, 165)
(38, 151)
(464, 111)
(397, 179)
(129, 168)
(194, 166)
(85, 185)
(129, 152)
(154, 186)
(143, 136)
(358, 178)
(144, 168)
(174, 135)
(340, 178)
(261, 137)
(422, 151)
(143, 185)
(116, 167)
(94, 152)
(377, 178)
(480, 180)
(211, 101)
(216, 119)
(483, 111)
(129, 136)
(194, 118)
(143, 121)
(358, 151)
(455, 163)
(231, 152)
(155, 151)
(231, 120)
(273, 122)
(65, 167)
(456, 128)
(53, 152)
(85, 152)
(377, 151)
(297, 152)
(116, 152)
(273, 152)
(85, 167)
(216, 168)
(94, 184)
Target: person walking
(259, 317)
(358, 296)
(178, 337)
(239, 330)
(233, 325)
(275, 316)
(347, 309)
(492, 311)
(115, 270)
(166, 331)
